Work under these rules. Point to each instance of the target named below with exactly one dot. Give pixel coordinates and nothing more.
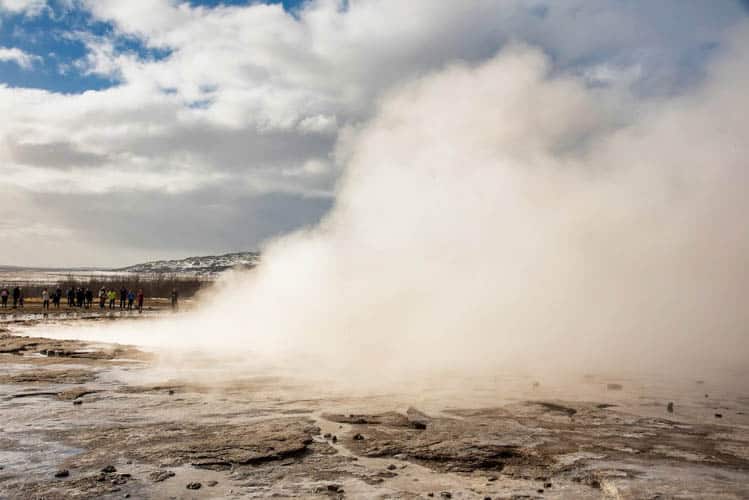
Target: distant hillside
(206, 265)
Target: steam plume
(501, 217)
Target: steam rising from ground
(502, 217)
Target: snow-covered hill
(205, 265)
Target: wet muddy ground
(87, 420)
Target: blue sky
(53, 36)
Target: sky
(140, 130)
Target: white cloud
(28, 7)
(250, 97)
(18, 56)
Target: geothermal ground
(85, 420)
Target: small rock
(540, 490)
(335, 488)
(536, 384)
(419, 425)
(335, 439)
(211, 484)
(358, 437)
(109, 469)
(487, 498)
(62, 473)
(77, 402)
(446, 494)
(718, 415)
(127, 495)
(430, 494)
(670, 407)
(614, 387)
(171, 392)
(700, 382)
(492, 478)
(392, 467)
(707, 395)
(194, 485)
(161, 475)
(327, 435)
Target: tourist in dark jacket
(16, 296)
(123, 297)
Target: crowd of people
(80, 297)
(17, 297)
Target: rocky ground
(82, 420)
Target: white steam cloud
(502, 216)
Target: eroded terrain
(83, 420)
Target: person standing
(102, 297)
(89, 298)
(4, 298)
(123, 297)
(130, 300)
(79, 296)
(112, 296)
(57, 297)
(45, 300)
(140, 300)
(20, 297)
(71, 296)
(175, 298)
(16, 296)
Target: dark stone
(211, 484)
(540, 490)
(62, 473)
(335, 439)
(392, 467)
(194, 485)
(547, 485)
(718, 415)
(614, 387)
(446, 494)
(327, 435)
(171, 392)
(77, 402)
(161, 475)
(358, 437)
(109, 469)
(492, 478)
(670, 407)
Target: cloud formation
(17, 56)
(249, 102)
(27, 7)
